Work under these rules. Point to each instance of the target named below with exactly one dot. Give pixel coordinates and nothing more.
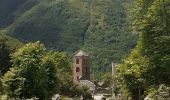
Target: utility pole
(91, 17)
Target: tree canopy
(148, 64)
(8, 45)
(35, 72)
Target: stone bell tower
(81, 69)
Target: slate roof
(81, 53)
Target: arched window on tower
(77, 69)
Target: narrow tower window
(77, 61)
(77, 69)
(77, 77)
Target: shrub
(160, 93)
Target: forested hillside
(8, 46)
(100, 27)
(11, 9)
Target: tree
(7, 46)
(153, 18)
(59, 71)
(148, 64)
(28, 77)
(36, 72)
(13, 83)
(132, 73)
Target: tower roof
(81, 53)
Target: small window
(77, 61)
(77, 77)
(84, 61)
(77, 69)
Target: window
(84, 61)
(77, 61)
(77, 69)
(77, 77)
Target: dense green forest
(100, 27)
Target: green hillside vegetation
(100, 27)
(12, 43)
(8, 45)
(11, 9)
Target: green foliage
(86, 94)
(12, 43)
(13, 83)
(8, 45)
(108, 37)
(36, 72)
(107, 80)
(28, 77)
(11, 9)
(154, 39)
(100, 27)
(116, 85)
(160, 93)
(4, 97)
(132, 73)
(59, 71)
(148, 64)
(71, 89)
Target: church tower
(81, 69)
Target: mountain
(11, 9)
(100, 27)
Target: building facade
(81, 69)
